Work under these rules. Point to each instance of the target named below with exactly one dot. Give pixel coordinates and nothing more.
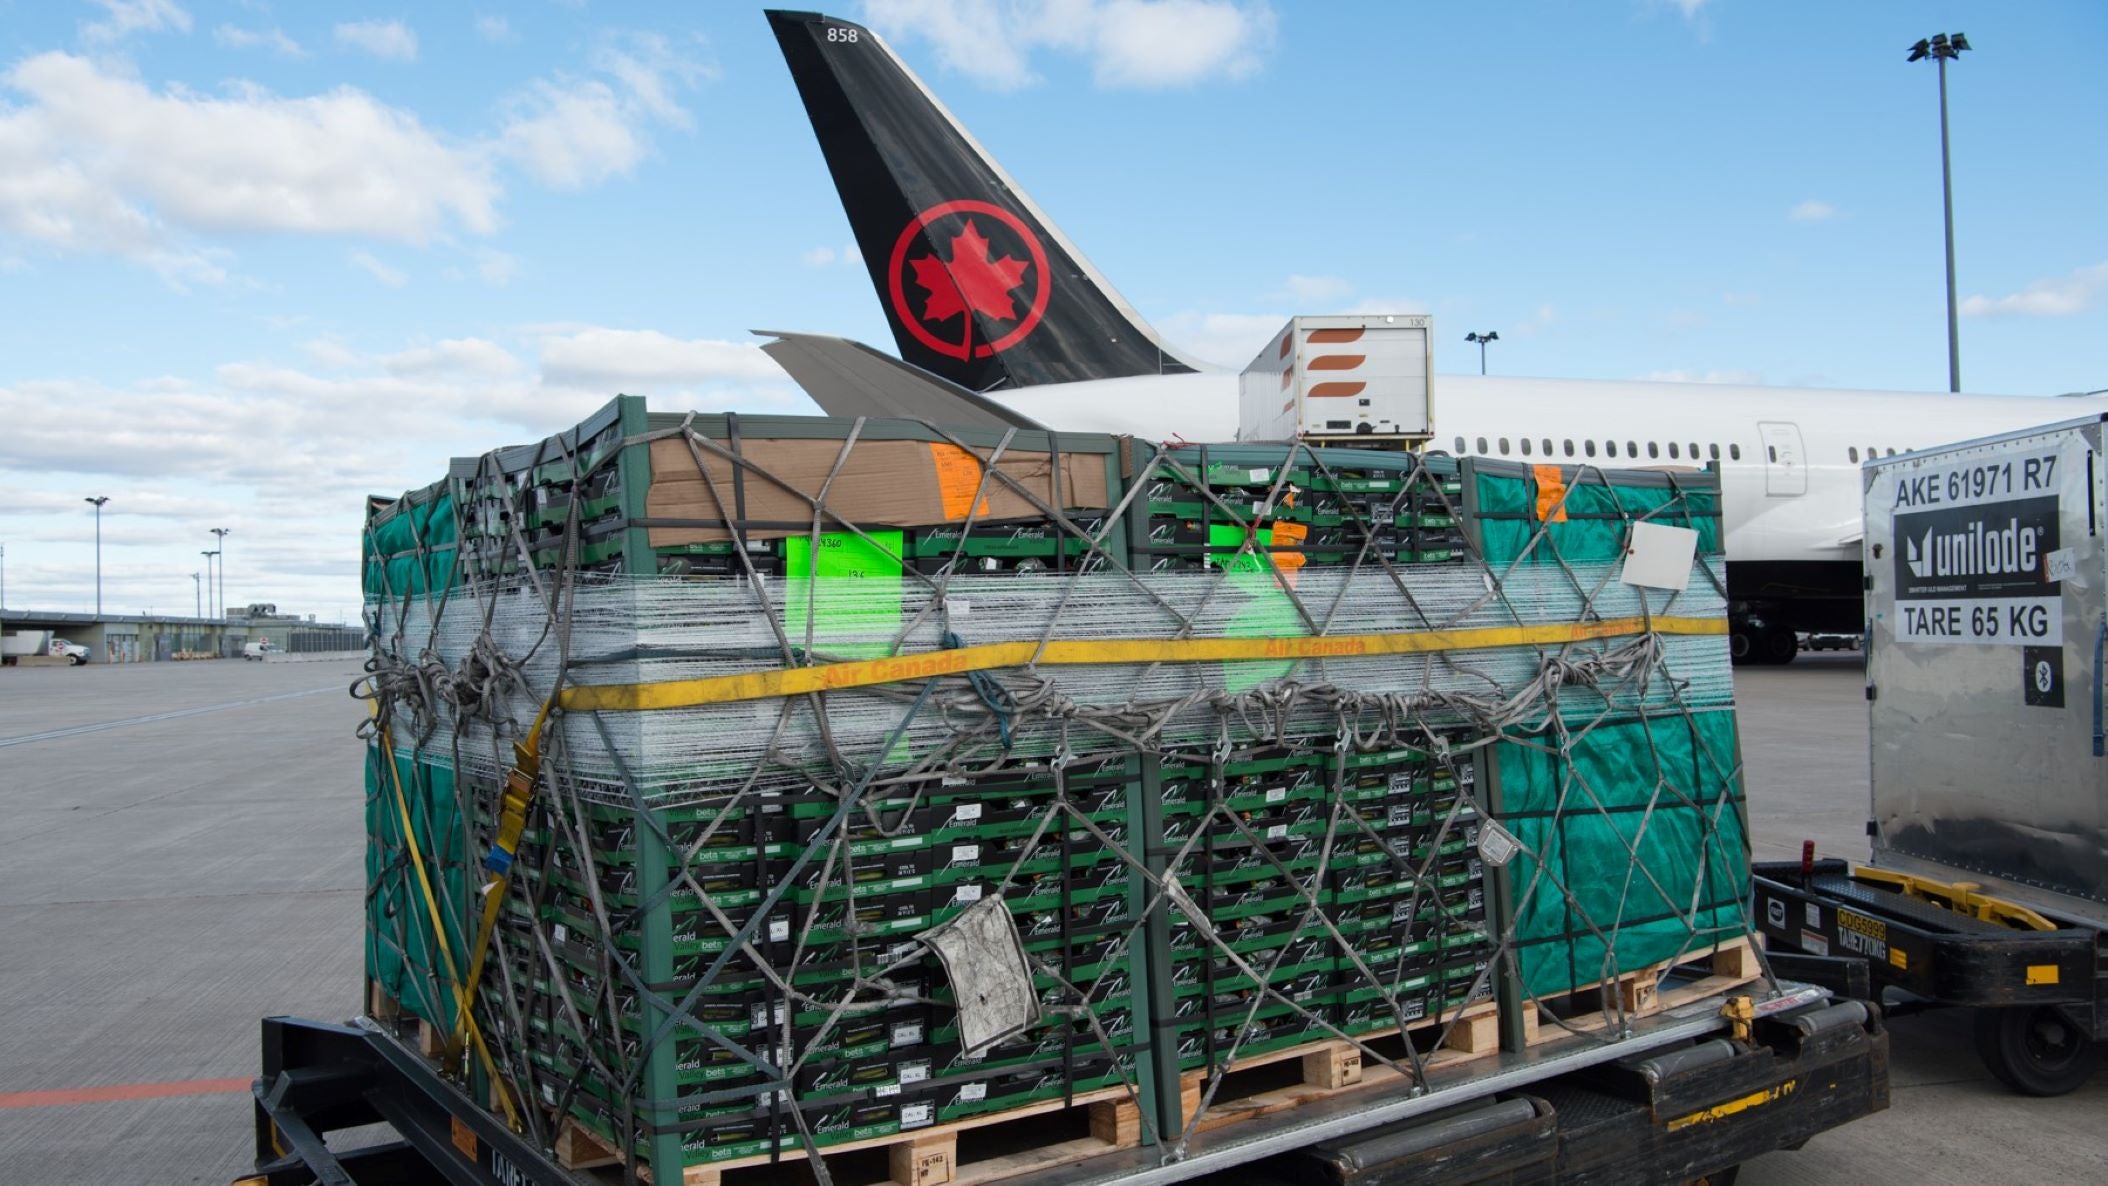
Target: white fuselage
(1789, 457)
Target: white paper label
(1401, 784)
(779, 930)
(914, 1072)
(559, 932)
(887, 1089)
(971, 1092)
(907, 1033)
(967, 893)
(1496, 846)
(1276, 831)
(966, 812)
(966, 854)
(2063, 565)
(1276, 794)
(914, 1115)
(1260, 475)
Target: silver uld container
(1986, 623)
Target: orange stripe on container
(1336, 335)
(1286, 378)
(116, 1092)
(1324, 390)
(1337, 362)
(1287, 340)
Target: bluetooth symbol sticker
(2042, 676)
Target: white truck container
(24, 644)
(1351, 379)
(1987, 608)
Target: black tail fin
(980, 288)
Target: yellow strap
(795, 681)
(446, 950)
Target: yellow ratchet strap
(512, 821)
(467, 1023)
(796, 681)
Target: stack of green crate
(1401, 879)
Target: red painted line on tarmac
(120, 1091)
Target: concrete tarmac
(165, 883)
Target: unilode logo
(983, 262)
(1996, 549)
(1977, 550)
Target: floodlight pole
(98, 501)
(1482, 339)
(1939, 48)
(223, 533)
(197, 596)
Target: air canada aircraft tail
(979, 287)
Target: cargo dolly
(1690, 1094)
(2039, 984)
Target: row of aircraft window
(1610, 449)
(1632, 449)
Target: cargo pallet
(2041, 995)
(1624, 1111)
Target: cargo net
(821, 851)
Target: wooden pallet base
(1640, 994)
(928, 1157)
(1335, 1067)
(421, 1034)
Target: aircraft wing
(848, 378)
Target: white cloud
(497, 268)
(390, 41)
(819, 257)
(238, 38)
(329, 352)
(1316, 290)
(571, 135)
(95, 161)
(126, 17)
(2060, 297)
(493, 28)
(470, 356)
(1689, 8)
(1168, 43)
(1129, 43)
(365, 262)
(1812, 211)
(261, 447)
(570, 132)
(1225, 339)
(1740, 299)
(644, 361)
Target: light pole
(196, 595)
(223, 533)
(98, 549)
(1482, 339)
(1940, 47)
(208, 555)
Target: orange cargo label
(958, 477)
(1551, 493)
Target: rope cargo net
(811, 857)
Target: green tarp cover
(401, 954)
(1642, 840)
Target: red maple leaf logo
(969, 280)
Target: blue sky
(259, 260)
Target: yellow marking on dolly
(798, 681)
(1719, 1112)
(2042, 973)
(1960, 897)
